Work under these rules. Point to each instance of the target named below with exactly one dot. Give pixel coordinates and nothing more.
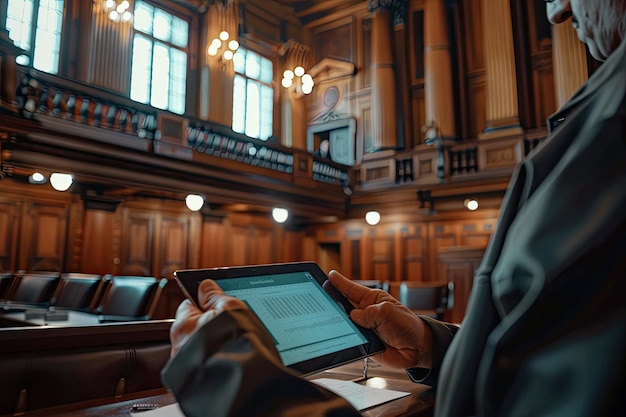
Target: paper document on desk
(172, 410)
(360, 396)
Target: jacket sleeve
(230, 367)
(442, 337)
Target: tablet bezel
(189, 280)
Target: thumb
(362, 319)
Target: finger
(360, 295)
(354, 292)
(206, 291)
(212, 297)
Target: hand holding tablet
(306, 316)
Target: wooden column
(295, 129)
(400, 27)
(384, 114)
(570, 62)
(437, 70)
(220, 73)
(502, 101)
(110, 53)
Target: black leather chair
(33, 288)
(129, 298)
(425, 298)
(78, 291)
(6, 278)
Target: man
(545, 328)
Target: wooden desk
(74, 318)
(418, 404)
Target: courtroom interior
(373, 137)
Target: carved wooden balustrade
(65, 100)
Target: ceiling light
(37, 178)
(194, 202)
(61, 182)
(372, 218)
(280, 214)
(470, 204)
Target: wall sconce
(372, 218)
(470, 204)
(194, 202)
(302, 80)
(61, 182)
(37, 178)
(280, 214)
(223, 47)
(118, 10)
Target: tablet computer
(304, 313)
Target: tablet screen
(308, 323)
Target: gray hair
(609, 17)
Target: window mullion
(33, 33)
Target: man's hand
(189, 318)
(408, 339)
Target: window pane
(160, 76)
(142, 68)
(178, 77)
(159, 73)
(239, 103)
(253, 101)
(253, 109)
(48, 36)
(19, 20)
(180, 32)
(253, 67)
(162, 25)
(142, 19)
(239, 61)
(266, 71)
(267, 106)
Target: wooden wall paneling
(440, 235)
(412, 254)
(174, 245)
(138, 238)
(336, 40)
(9, 226)
(43, 236)
(379, 254)
(263, 246)
(239, 248)
(289, 245)
(458, 265)
(476, 234)
(309, 248)
(75, 235)
(249, 239)
(99, 231)
(212, 243)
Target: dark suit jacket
(545, 328)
